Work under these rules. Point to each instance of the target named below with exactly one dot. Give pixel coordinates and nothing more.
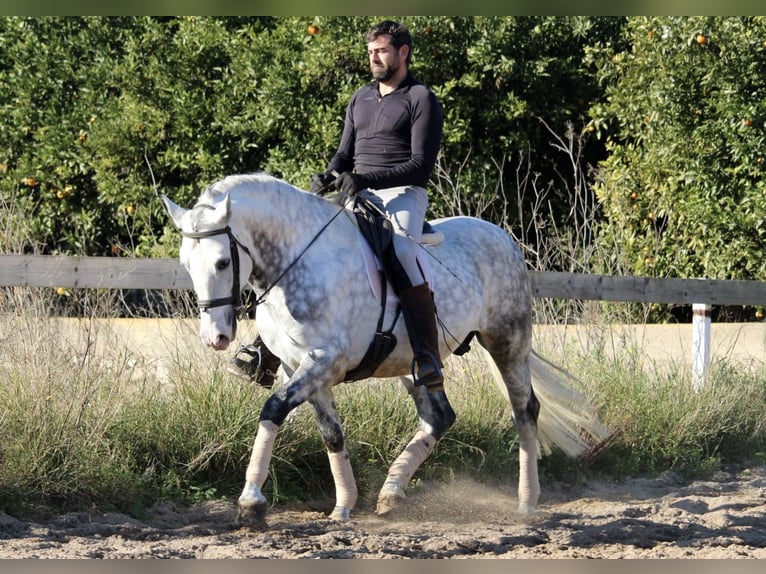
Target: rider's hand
(350, 183)
(321, 183)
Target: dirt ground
(658, 517)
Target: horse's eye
(222, 264)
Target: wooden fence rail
(128, 273)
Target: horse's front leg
(328, 423)
(252, 504)
(314, 372)
(436, 418)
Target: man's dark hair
(400, 35)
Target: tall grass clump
(80, 430)
(661, 422)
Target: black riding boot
(420, 317)
(259, 365)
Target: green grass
(665, 424)
(81, 432)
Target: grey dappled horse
(302, 257)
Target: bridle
(235, 299)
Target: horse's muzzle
(221, 343)
(217, 335)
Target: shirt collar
(406, 82)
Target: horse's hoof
(389, 501)
(527, 509)
(390, 497)
(341, 514)
(252, 515)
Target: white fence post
(700, 343)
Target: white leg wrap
(529, 484)
(401, 471)
(345, 486)
(258, 469)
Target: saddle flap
(376, 229)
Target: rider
(389, 146)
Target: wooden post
(700, 343)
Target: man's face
(385, 59)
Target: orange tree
(683, 190)
(100, 110)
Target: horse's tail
(567, 419)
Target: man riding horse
(390, 142)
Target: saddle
(378, 232)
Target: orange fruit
(313, 30)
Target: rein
(262, 296)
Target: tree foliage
(683, 188)
(101, 113)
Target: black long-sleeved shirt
(391, 140)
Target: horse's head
(218, 265)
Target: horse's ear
(176, 212)
(222, 210)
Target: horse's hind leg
(436, 417)
(513, 372)
(525, 414)
(328, 423)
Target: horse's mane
(251, 193)
(266, 183)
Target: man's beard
(382, 73)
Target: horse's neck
(279, 227)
